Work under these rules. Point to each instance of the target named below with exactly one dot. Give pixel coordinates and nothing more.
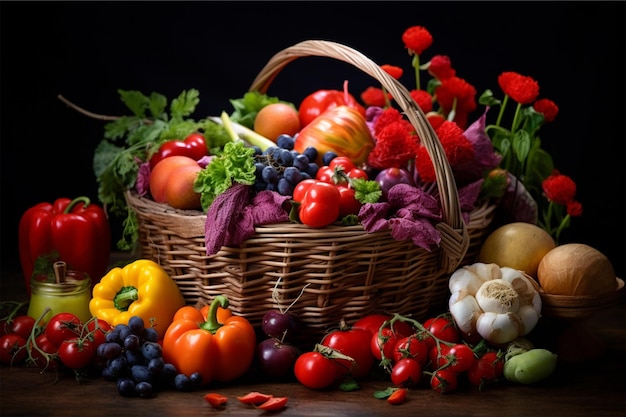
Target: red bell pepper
(194, 146)
(75, 229)
(318, 102)
(319, 202)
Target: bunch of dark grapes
(134, 360)
(280, 168)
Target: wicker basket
(339, 272)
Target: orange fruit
(161, 172)
(179, 191)
(276, 119)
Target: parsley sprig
(131, 140)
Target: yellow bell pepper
(142, 288)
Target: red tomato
(384, 343)
(97, 335)
(443, 328)
(444, 381)
(486, 369)
(460, 357)
(76, 353)
(355, 344)
(22, 325)
(406, 372)
(411, 347)
(325, 174)
(12, 349)
(341, 162)
(373, 322)
(437, 355)
(314, 370)
(63, 326)
(344, 163)
(348, 203)
(320, 101)
(44, 353)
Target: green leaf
(521, 144)
(135, 101)
(349, 385)
(366, 191)
(235, 164)
(247, 107)
(117, 129)
(185, 104)
(487, 99)
(382, 395)
(157, 105)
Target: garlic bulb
(498, 303)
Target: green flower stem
(502, 107)
(416, 64)
(516, 118)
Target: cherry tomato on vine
(76, 353)
(444, 381)
(44, 355)
(437, 355)
(443, 328)
(355, 344)
(413, 347)
(22, 325)
(98, 336)
(314, 370)
(12, 349)
(488, 368)
(373, 322)
(406, 372)
(63, 326)
(384, 343)
(459, 358)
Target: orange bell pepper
(211, 341)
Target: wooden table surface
(593, 387)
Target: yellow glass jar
(72, 295)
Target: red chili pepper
(76, 229)
(216, 400)
(397, 397)
(194, 146)
(274, 404)
(318, 102)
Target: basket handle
(455, 237)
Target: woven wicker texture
(337, 272)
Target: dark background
(86, 51)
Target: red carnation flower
(520, 88)
(559, 188)
(435, 119)
(440, 67)
(395, 146)
(574, 208)
(395, 72)
(423, 99)
(373, 96)
(456, 91)
(546, 107)
(457, 147)
(416, 39)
